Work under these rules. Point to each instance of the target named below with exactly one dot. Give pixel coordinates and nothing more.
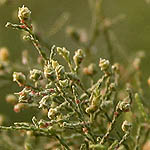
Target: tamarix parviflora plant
(103, 116)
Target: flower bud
(78, 57)
(136, 63)
(90, 70)
(4, 54)
(24, 13)
(148, 81)
(19, 77)
(116, 67)
(18, 107)
(35, 75)
(11, 99)
(8, 24)
(126, 126)
(63, 52)
(104, 64)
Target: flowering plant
(105, 115)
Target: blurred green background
(132, 34)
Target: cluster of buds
(78, 57)
(104, 64)
(19, 77)
(24, 14)
(63, 52)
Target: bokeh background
(52, 17)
